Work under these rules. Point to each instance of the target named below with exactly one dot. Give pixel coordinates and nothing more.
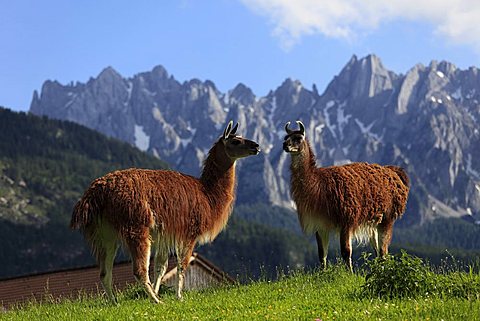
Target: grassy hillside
(334, 294)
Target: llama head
(294, 141)
(236, 146)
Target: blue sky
(257, 42)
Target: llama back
(401, 197)
(367, 195)
(361, 194)
(401, 173)
(89, 206)
(136, 198)
(116, 197)
(391, 185)
(97, 198)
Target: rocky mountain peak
(352, 62)
(159, 72)
(369, 64)
(242, 94)
(365, 77)
(109, 74)
(290, 85)
(447, 67)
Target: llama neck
(303, 164)
(304, 180)
(218, 180)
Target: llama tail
(401, 173)
(88, 207)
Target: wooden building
(201, 273)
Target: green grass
(334, 294)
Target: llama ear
(227, 130)
(302, 127)
(234, 130)
(288, 130)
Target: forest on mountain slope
(45, 165)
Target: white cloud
(456, 20)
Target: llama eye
(235, 142)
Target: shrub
(399, 276)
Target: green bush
(407, 276)
(399, 276)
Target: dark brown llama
(168, 210)
(358, 199)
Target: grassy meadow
(398, 288)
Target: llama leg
(346, 247)
(105, 245)
(183, 259)
(139, 247)
(160, 266)
(374, 241)
(322, 237)
(385, 237)
(105, 259)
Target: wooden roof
(70, 283)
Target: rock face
(427, 121)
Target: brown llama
(358, 199)
(165, 209)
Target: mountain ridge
(430, 116)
